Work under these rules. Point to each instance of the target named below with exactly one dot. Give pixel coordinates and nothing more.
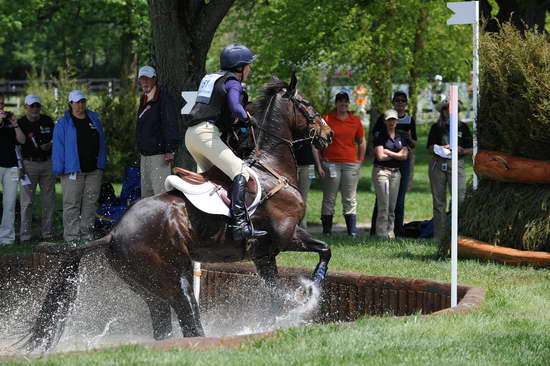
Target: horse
(153, 246)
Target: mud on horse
(155, 242)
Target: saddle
(208, 191)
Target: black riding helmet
(234, 56)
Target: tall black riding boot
(327, 224)
(241, 226)
(351, 224)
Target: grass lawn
(511, 328)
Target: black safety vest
(215, 107)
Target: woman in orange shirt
(341, 162)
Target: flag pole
(453, 117)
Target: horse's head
(307, 121)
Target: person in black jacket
(157, 134)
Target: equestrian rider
(219, 106)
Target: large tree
(520, 13)
(182, 32)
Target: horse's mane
(269, 90)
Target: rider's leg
(204, 140)
(241, 228)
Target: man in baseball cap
(157, 133)
(37, 154)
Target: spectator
(440, 166)
(341, 162)
(157, 133)
(10, 136)
(390, 153)
(406, 127)
(79, 157)
(37, 154)
(307, 158)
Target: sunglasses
(399, 100)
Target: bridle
(297, 104)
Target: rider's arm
(234, 92)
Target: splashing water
(107, 313)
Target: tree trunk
(128, 61)
(416, 66)
(521, 13)
(182, 32)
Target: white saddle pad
(207, 196)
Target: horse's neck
(277, 153)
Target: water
(107, 313)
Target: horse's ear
(292, 88)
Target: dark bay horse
(155, 242)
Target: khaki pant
(386, 184)
(154, 171)
(205, 145)
(79, 204)
(304, 183)
(40, 173)
(342, 177)
(9, 177)
(439, 181)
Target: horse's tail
(50, 323)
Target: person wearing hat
(10, 136)
(341, 162)
(37, 154)
(440, 166)
(220, 104)
(406, 126)
(390, 153)
(79, 158)
(157, 133)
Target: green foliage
(54, 93)
(118, 115)
(370, 42)
(514, 93)
(45, 34)
(508, 214)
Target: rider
(219, 106)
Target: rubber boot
(327, 224)
(351, 224)
(241, 226)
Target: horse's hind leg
(161, 317)
(187, 309)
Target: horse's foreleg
(267, 270)
(304, 242)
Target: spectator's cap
(389, 114)
(342, 94)
(147, 71)
(442, 105)
(31, 99)
(76, 96)
(400, 95)
(438, 77)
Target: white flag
(466, 12)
